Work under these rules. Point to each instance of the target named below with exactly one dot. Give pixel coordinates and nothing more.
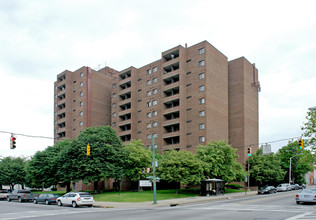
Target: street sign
(145, 183)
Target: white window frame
(201, 139)
(202, 126)
(155, 102)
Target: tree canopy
(12, 171)
(266, 169)
(309, 129)
(221, 161)
(137, 159)
(181, 167)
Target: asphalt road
(275, 206)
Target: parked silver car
(284, 187)
(306, 195)
(76, 199)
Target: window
(148, 136)
(148, 104)
(114, 114)
(201, 63)
(201, 139)
(81, 113)
(148, 93)
(113, 124)
(190, 84)
(155, 80)
(148, 82)
(113, 95)
(81, 104)
(81, 123)
(155, 91)
(155, 102)
(155, 135)
(149, 115)
(81, 74)
(201, 88)
(113, 105)
(148, 125)
(155, 113)
(188, 73)
(81, 84)
(114, 86)
(149, 71)
(201, 126)
(155, 69)
(155, 124)
(201, 75)
(81, 94)
(201, 51)
(201, 101)
(202, 113)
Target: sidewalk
(171, 202)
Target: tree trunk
(95, 186)
(68, 187)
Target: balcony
(61, 78)
(172, 116)
(172, 128)
(126, 137)
(125, 85)
(171, 68)
(171, 56)
(172, 103)
(61, 97)
(171, 80)
(171, 92)
(125, 96)
(125, 127)
(61, 116)
(61, 106)
(61, 125)
(125, 75)
(61, 134)
(61, 88)
(172, 140)
(125, 117)
(125, 106)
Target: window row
(154, 70)
(150, 125)
(149, 82)
(149, 136)
(154, 102)
(154, 92)
(151, 114)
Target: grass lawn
(143, 196)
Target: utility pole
(154, 169)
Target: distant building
(189, 97)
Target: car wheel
(8, 199)
(74, 204)
(89, 205)
(46, 202)
(20, 199)
(35, 201)
(59, 203)
(297, 202)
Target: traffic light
(12, 142)
(301, 143)
(88, 150)
(249, 151)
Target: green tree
(309, 129)
(266, 169)
(301, 162)
(221, 161)
(137, 159)
(42, 170)
(180, 166)
(12, 171)
(106, 160)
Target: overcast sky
(40, 39)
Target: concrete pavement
(171, 202)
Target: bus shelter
(211, 187)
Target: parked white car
(76, 199)
(284, 187)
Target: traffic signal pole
(154, 169)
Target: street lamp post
(154, 170)
(290, 170)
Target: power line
(26, 135)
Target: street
(272, 206)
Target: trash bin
(211, 187)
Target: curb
(170, 202)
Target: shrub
(233, 186)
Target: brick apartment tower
(191, 96)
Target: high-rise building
(191, 96)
